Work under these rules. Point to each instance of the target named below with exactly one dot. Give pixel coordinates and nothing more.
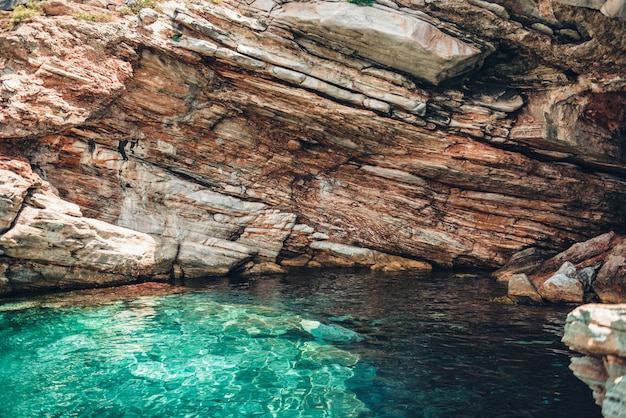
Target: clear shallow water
(331, 345)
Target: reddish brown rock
(610, 282)
(219, 122)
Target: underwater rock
(329, 332)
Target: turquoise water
(330, 345)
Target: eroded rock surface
(599, 332)
(255, 138)
(398, 40)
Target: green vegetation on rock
(26, 11)
(93, 17)
(135, 6)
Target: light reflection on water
(427, 346)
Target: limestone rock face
(600, 332)
(397, 40)
(13, 190)
(47, 235)
(252, 138)
(56, 247)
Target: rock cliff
(205, 138)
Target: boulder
(148, 16)
(599, 331)
(614, 405)
(587, 276)
(521, 287)
(582, 254)
(526, 261)
(591, 371)
(57, 238)
(610, 281)
(58, 8)
(563, 286)
(599, 264)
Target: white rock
(197, 45)
(394, 39)
(148, 16)
(45, 235)
(563, 286)
(264, 5)
(47, 200)
(215, 257)
(597, 329)
(614, 8)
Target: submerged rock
(329, 332)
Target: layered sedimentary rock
(395, 39)
(254, 138)
(599, 332)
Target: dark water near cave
(328, 345)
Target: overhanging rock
(397, 40)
